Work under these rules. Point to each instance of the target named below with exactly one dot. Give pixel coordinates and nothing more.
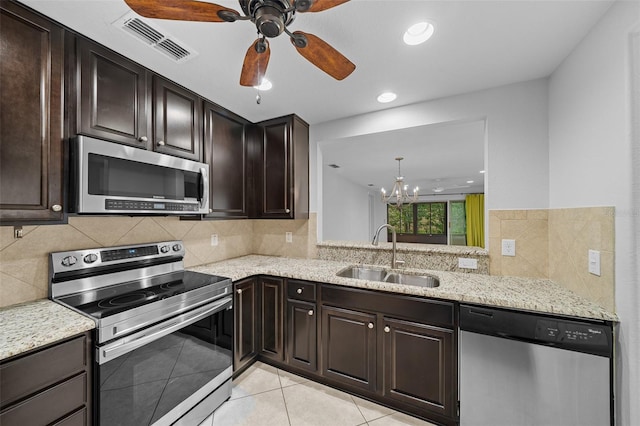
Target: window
(420, 222)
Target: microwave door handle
(204, 187)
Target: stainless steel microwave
(109, 178)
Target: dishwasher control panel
(567, 332)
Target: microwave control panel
(160, 206)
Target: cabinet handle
(287, 210)
(299, 291)
(370, 325)
(160, 143)
(387, 329)
(310, 312)
(143, 139)
(239, 291)
(56, 208)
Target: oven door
(157, 375)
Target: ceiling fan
(271, 18)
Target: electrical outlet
(467, 263)
(214, 240)
(288, 236)
(594, 262)
(508, 247)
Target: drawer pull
(299, 291)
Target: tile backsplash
(554, 244)
(24, 266)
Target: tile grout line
(284, 399)
(366, 422)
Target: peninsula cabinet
(245, 307)
(225, 150)
(282, 169)
(113, 96)
(31, 117)
(48, 386)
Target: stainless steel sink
(383, 275)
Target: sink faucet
(394, 262)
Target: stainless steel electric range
(164, 335)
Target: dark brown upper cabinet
(31, 117)
(177, 120)
(282, 169)
(113, 100)
(225, 150)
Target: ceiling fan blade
(181, 10)
(317, 5)
(255, 63)
(322, 55)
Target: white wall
(516, 155)
(590, 164)
(345, 208)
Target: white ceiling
(477, 44)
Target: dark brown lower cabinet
(245, 307)
(418, 365)
(349, 347)
(302, 320)
(48, 386)
(271, 318)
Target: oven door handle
(129, 343)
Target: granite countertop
(31, 325)
(537, 295)
(408, 247)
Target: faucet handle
(399, 264)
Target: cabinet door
(31, 130)
(419, 364)
(225, 150)
(302, 319)
(283, 169)
(114, 96)
(349, 351)
(177, 120)
(271, 318)
(245, 306)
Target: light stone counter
(422, 256)
(31, 325)
(528, 294)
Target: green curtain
(474, 207)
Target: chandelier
(400, 193)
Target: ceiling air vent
(155, 37)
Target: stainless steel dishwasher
(529, 369)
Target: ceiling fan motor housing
(270, 16)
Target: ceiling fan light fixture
(386, 97)
(418, 33)
(265, 84)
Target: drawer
(301, 290)
(48, 406)
(24, 376)
(79, 418)
(427, 311)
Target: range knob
(90, 258)
(69, 260)
(164, 249)
(177, 247)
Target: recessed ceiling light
(418, 33)
(385, 97)
(438, 189)
(265, 85)
(469, 181)
(482, 171)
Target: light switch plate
(508, 247)
(288, 236)
(467, 263)
(594, 262)
(214, 240)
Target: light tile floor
(265, 395)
